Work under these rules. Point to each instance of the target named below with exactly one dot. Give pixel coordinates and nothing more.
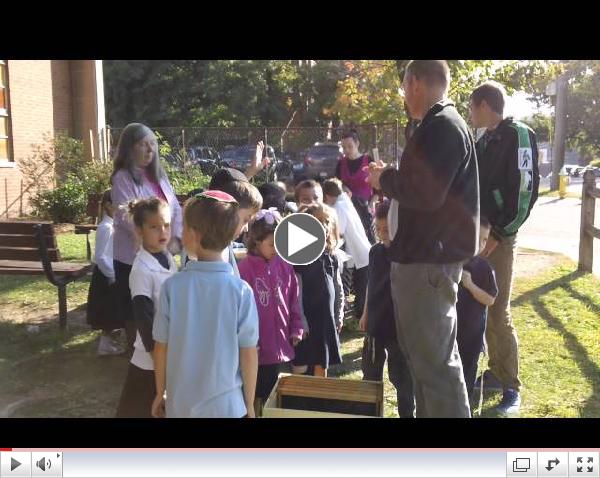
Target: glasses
(218, 196)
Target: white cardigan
(353, 232)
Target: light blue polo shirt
(205, 316)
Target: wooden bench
(30, 248)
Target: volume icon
(43, 464)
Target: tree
(370, 90)
(220, 92)
(583, 108)
(543, 126)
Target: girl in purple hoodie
(276, 292)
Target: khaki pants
(501, 336)
(424, 297)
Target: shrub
(66, 203)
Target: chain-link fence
(290, 145)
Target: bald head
(425, 83)
(434, 73)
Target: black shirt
(143, 308)
(380, 308)
(467, 307)
(437, 191)
(162, 259)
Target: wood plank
(25, 227)
(332, 388)
(32, 267)
(27, 254)
(593, 231)
(85, 228)
(270, 412)
(594, 192)
(25, 240)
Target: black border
(300, 433)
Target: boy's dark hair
(494, 95)
(273, 196)
(225, 175)
(485, 222)
(258, 231)
(139, 209)
(215, 220)
(106, 199)
(432, 72)
(381, 212)
(333, 187)
(244, 193)
(308, 183)
(350, 133)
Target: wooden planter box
(302, 396)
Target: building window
(5, 153)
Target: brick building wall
(45, 96)
(32, 116)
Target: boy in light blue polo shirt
(206, 328)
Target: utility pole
(560, 130)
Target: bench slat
(27, 254)
(25, 240)
(85, 228)
(25, 227)
(34, 267)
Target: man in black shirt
(437, 193)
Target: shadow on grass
(542, 290)
(586, 365)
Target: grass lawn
(557, 317)
(53, 374)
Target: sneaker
(510, 404)
(107, 346)
(490, 383)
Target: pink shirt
(158, 192)
(276, 293)
(357, 182)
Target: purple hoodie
(276, 293)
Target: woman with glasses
(137, 174)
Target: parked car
(206, 157)
(570, 168)
(241, 157)
(285, 164)
(319, 161)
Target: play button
(300, 239)
(14, 464)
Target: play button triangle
(298, 239)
